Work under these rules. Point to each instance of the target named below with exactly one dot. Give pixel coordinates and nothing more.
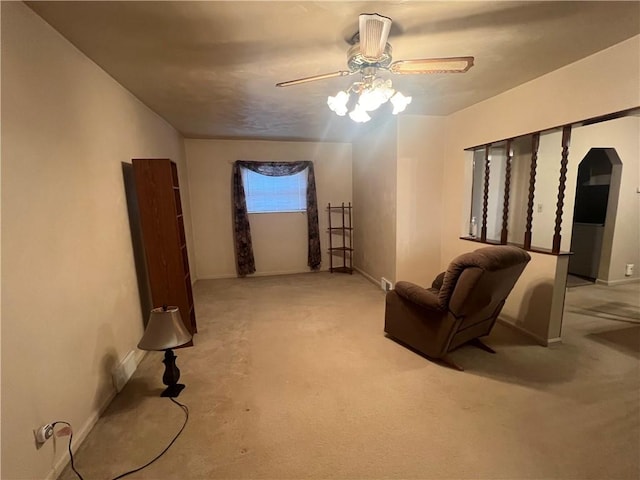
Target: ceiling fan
(370, 53)
(371, 50)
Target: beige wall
(71, 308)
(602, 83)
(279, 239)
(419, 197)
(374, 198)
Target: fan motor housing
(357, 61)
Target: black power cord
(73, 467)
(184, 408)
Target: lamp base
(173, 390)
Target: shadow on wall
(535, 310)
(137, 242)
(107, 364)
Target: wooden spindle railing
(507, 187)
(485, 197)
(566, 139)
(535, 144)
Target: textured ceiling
(210, 68)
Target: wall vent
(123, 372)
(385, 284)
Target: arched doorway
(596, 203)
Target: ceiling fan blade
(341, 73)
(432, 65)
(373, 33)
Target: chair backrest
(475, 288)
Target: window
(265, 194)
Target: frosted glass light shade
(338, 103)
(164, 330)
(358, 114)
(399, 102)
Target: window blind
(265, 194)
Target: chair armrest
(418, 295)
(438, 281)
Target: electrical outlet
(43, 433)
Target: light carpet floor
(292, 377)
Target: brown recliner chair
(462, 304)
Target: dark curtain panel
(244, 249)
(242, 232)
(313, 255)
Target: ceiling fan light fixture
(369, 54)
(371, 94)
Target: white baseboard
(621, 281)
(367, 276)
(217, 277)
(80, 435)
(260, 274)
(539, 340)
(283, 272)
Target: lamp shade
(164, 330)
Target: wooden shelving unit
(340, 238)
(165, 245)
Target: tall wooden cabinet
(162, 221)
